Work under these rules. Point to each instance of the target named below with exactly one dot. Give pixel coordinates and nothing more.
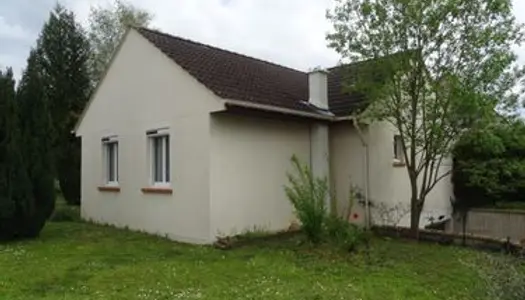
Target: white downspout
(366, 172)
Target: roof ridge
(219, 49)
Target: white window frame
(166, 157)
(398, 149)
(108, 142)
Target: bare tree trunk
(415, 210)
(415, 214)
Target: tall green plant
(308, 196)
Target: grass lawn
(84, 261)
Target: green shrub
(308, 196)
(489, 165)
(343, 233)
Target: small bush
(308, 196)
(503, 278)
(343, 233)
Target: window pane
(398, 147)
(157, 159)
(167, 162)
(110, 162)
(116, 161)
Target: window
(110, 148)
(159, 142)
(398, 148)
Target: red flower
(355, 216)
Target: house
(192, 142)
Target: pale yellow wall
(249, 160)
(388, 184)
(145, 90)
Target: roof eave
(287, 111)
(271, 108)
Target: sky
(287, 32)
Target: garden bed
(448, 238)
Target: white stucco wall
(347, 165)
(145, 90)
(388, 184)
(249, 160)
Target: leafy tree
(16, 203)
(107, 26)
(490, 164)
(489, 167)
(445, 65)
(64, 53)
(36, 129)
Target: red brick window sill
(114, 189)
(154, 190)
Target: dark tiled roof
(238, 77)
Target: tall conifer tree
(36, 131)
(16, 202)
(64, 54)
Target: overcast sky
(288, 32)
